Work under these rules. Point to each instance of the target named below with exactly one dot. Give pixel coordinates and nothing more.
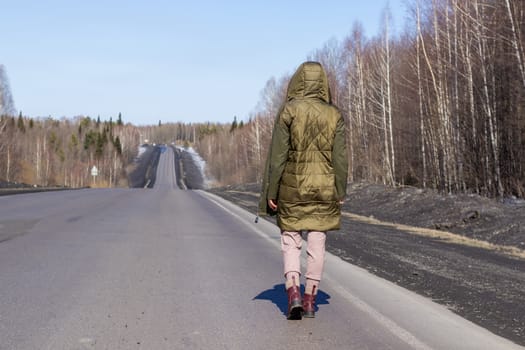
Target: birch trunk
(420, 95)
(350, 137)
(489, 112)
(8, 168)
(516, 43)
(392, 167)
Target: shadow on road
(277, 295)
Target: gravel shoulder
(483, 283)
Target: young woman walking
(305, 180)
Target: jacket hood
(309, 81)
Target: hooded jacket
(307, 165)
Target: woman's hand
(272, 204)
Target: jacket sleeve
(278, 155)
(340, 158)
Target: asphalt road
(164, 268)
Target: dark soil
(482, 285)
(9, 188)
(496, 221)
(6, 184)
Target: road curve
(170, 269)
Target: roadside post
(94, 173)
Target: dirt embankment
(501, 222)
(143, 171)
(189, 175)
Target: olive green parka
(307, 165)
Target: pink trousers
(291, 243)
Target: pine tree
(99, 150)
(118, 145)
(234, 124)
(20, 124)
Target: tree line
(440, 105)
(53, 152)
(62, 152)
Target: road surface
(164, 268)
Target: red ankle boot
(309, 304)
(295, 307)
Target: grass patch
(445, 236)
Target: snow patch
(201, 164)
(142, 149)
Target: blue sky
(188, 61)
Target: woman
(305, 180)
